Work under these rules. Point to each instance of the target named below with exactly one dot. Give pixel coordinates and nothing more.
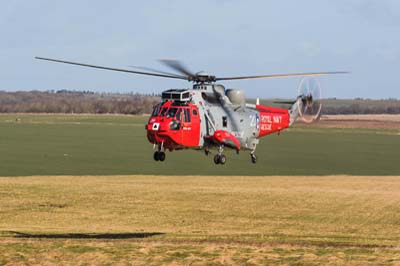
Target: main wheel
(222, 159)
(156, 156)
(253, 158)
(161, 156)
(217, 158)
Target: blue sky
(225, 38)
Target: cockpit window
(155, 111)
(163, 111)
(178, 114)
(171, 112)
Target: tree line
(66, 101)
(76, 102)
(361, 106)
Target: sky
(224, 38)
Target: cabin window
(187, 114)
(194, 112)
(163, 111)
(174, 125)
(178, 114)
(224, 121)
(171, 112)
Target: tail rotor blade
(310, 105)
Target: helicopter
(208, 117)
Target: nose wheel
(159, 156)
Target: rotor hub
(202, 77)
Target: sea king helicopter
(210, 117)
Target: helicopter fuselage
(207, 117)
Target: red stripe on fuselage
(272, 119)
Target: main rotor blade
(114, 69)
(283, 75)
(156, 71)
(178, 66)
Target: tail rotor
(310, 105)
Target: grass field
(197, 220)
(84, 190)
(115, 145)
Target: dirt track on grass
(384, 121)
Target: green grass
(203, 214)
(110, 145)
(199, 220)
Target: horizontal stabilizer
(285, 102)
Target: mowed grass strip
(200, 219)
(32, 144)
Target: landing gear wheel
(161, 156)
(222, 159)
(217, 158)
(156, 156)
(253, 158)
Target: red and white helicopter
(208, 116)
